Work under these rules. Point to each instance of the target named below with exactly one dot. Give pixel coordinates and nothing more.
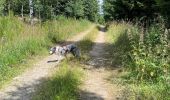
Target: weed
(144, 54)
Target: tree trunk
(142, 36)
(22, 10)
(39, 14)
(31, 11)
(9, 8)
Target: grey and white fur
(64, 50)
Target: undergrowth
(20, 41)
(144, 55)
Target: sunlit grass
(87, 43)
(20, 41)
(64, 85)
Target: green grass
(20, 42)
(65, 82)
(121, 48)
(146, 92)
(117, 43)
(64, 85)
(87, 43)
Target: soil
(96, 85)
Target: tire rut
(96, 85)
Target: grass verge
(87, 43)
(20, 42)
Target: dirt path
(96, 86)
(23, 86)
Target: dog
(64, 50)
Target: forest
(124, 47)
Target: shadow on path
(89, 96)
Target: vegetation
(138, 40)
(144, 57)
(32, 41)
(50, 9)
(87, 42)
(136, 10)
(63, 85)
(140, 44)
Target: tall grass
(10, 27)
(146, 61)
(19, 41)
(117, 42)
(61, 29)
(63, 85)
(87, 42)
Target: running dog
(64, 50)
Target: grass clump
(10, 27)
(64, 85)
(87, 42)
(117, 42)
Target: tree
(164, 9)
(1, 6)
(129, 9)
(74, 8)
(91, 10)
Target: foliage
(75, 8)
(148, 60)
(91, 10)
(164, 9)
(141, 10)
(145, 58)
(48, 9)
(1, 6)
(129, 9)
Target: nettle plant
(149, 53)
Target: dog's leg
(65, 55)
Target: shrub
(149, 58)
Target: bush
(145, 56)
(149, 58)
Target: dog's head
(52, 50)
